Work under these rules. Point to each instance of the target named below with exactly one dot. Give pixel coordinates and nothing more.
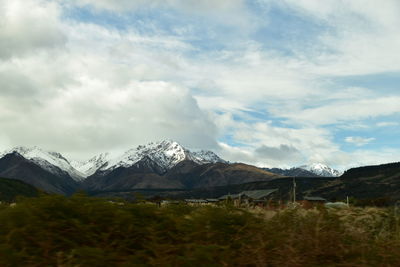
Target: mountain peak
(167, 153)
(321, 169)
(48, 160)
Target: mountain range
(165, 164)
(311, 170)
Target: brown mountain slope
(185, 175)
(218, 174)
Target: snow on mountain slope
(166, 153)
(321, 170)
(47, 160)
(92, 165)
(203, 156)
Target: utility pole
(294, 190)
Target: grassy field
(83, 231)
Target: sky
(274, 83)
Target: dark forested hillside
(370, 182)
(10, 189)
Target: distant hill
(10, 189)
(365, 183)
(283, 184)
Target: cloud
(208, 79)
(264, 144)
(387, 124)
(233, 13)
(343, 111)
(94, 118)
(281, 153)
(27, 26)
(360, 37)
(358, 140)
(103, 91)
(202, 5)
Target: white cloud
(103, 91)
(227, 12)
(194, 5)
(361, 36)
(82, 88)
(387, 124)
(27, 26)
(358, 140)
(345, 111)
(92, 117)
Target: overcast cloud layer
(267, 82)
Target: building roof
(232, 196)
(253, 194)
(196, 200)
(258, 194)
(314, 198)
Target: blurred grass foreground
(84, 231)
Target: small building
(170, 202)
(251, 197)
(310, 202)
(258, 197)
(337, 205)
(196, 202)
(229, 196)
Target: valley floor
(84, 231)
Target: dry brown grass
(81, 231)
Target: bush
(83, 231)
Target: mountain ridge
(311, 170)
(163, 164)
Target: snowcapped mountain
(166, 154)
(321, 170)
(50, 161)
(53, 173)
